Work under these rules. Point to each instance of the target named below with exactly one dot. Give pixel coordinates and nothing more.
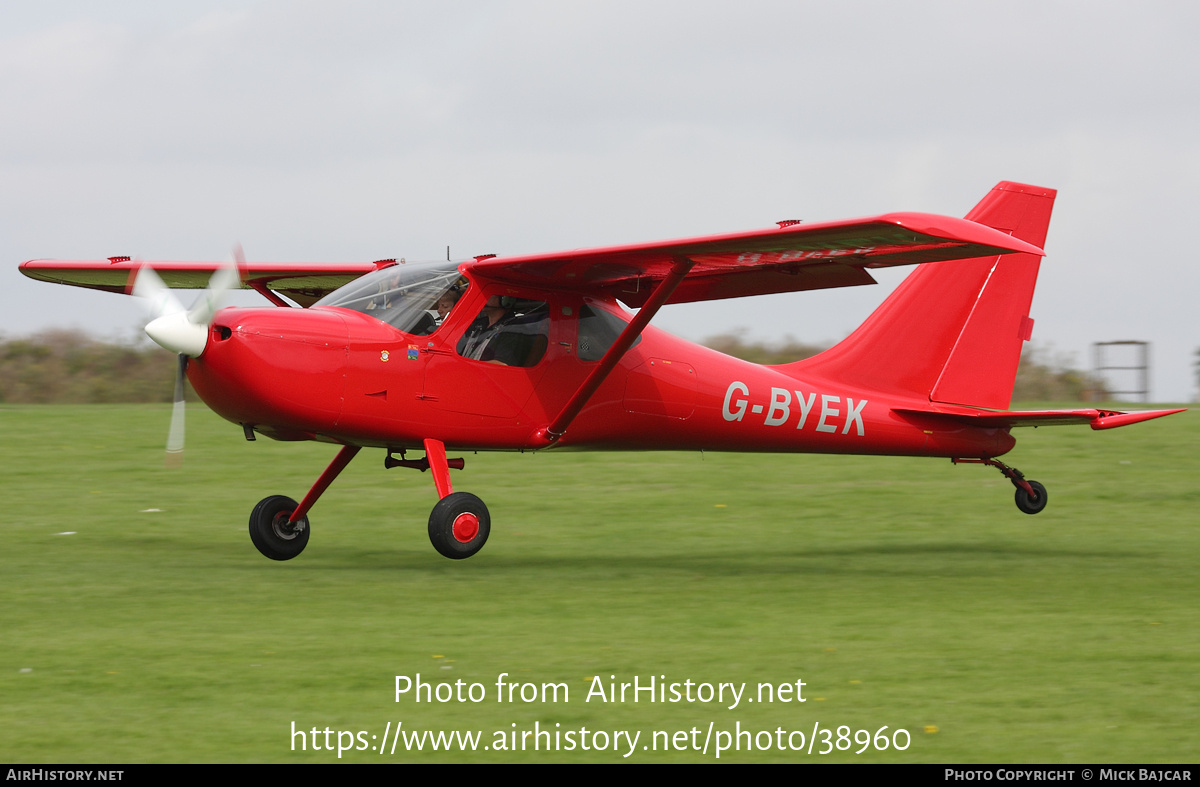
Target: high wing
(1097, 419)
(787, 258)
(303, 282)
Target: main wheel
(271, 532)
(1031, 505)
(459, 525)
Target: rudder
(982, 366)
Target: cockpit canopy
(413, 297)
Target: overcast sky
(355, 131)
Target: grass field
(906, 593)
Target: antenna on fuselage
(447, 254)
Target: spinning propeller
(183, 331)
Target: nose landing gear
(279, 525)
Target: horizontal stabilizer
(1097, 419)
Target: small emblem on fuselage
(383, 356)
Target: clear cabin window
(414, 297)
(598, 330)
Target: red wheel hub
(466, 527)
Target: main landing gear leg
(1030, 497)
(459, 524)
(279, 526)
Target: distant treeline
(68, 367)
(1041, 377)
(1044, 376)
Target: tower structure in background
(1129, 364)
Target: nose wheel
(279, 525)
(273, 531)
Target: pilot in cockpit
(508, 331)
(446, 302)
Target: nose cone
(175, 332)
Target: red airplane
(533, 352)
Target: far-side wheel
(459, 525)
(271, 532)
(1031, 505)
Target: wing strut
(260, 286)
(548, 435)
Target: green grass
(906, 593)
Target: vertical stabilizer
(952, 331)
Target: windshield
(413, 297)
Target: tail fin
(952, 331)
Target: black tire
(1031, 505)
(271, 532)
(474, 525)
